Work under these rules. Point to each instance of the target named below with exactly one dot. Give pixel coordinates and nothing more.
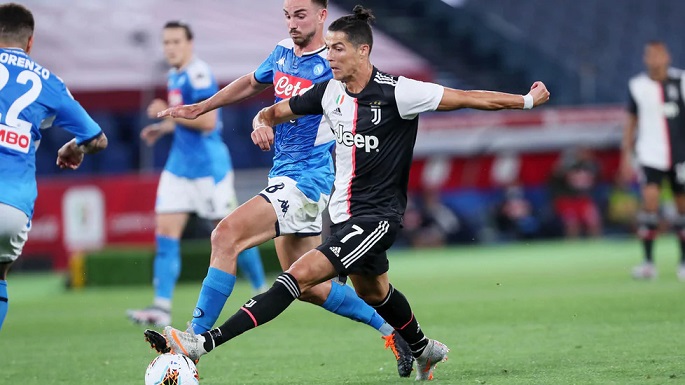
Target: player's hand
(150, 134)
(69, 156)
(539, 93)
(626, 172)
(263, 136)
(155, 107)
(188, 111)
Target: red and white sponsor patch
(15, 139)
(287, 86)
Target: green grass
(544, 313)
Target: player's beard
(303, 40)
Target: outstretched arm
(266, 119)
(453, 99)
(240, 89)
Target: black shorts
(654, 176)
(358, 246)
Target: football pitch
(539, 313)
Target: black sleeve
(632, 106)
(309, 103)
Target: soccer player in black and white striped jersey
(654, 139)
(375, 119)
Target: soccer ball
(171, 369)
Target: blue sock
(250, 263)
(3, 301)
(343, 301)
(216, 288)
(167, 266)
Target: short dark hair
(357, 26)
(16, 23)
(180, 24)
(654, 42)
(321, 3)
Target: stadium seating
(584, 50)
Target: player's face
(177, 48)
(304, 19)
(345, 59)
(656, 57)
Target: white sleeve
(414, 97)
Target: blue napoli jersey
(303, 147)
(31, 96)
(195, 154)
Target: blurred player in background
(654, 140)
(375, 117)
(197, 177)
(300, 182)
(30, 97)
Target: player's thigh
(371, 288)
(171, 225)
(251, 224)
(14, 229)
(677, 180)
(650, 190)
(291, 247)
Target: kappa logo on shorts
(336, 250)
(284, 206)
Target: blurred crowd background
(476, 178)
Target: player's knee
(371, 298)
(316, 295)
(305, 276)
(225, 238)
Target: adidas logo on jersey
(336, 112)
(335, 250)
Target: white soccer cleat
(681, 273)
(434, 353)
(150, 316)
(645, 271)
(189, 344)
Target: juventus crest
(376, 114)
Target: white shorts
(202, 196)
(296, 213)
(14, 231)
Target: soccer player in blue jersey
(300, 182)
(31, 97)
(197, 177)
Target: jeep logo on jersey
(287, 86)
(366, 142)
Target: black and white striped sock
(259, 310)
